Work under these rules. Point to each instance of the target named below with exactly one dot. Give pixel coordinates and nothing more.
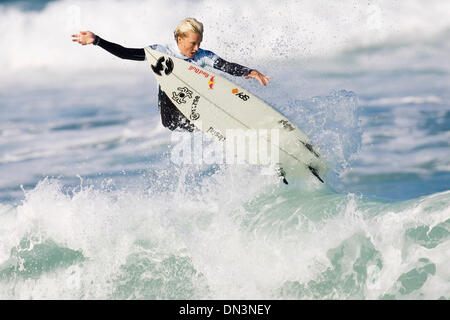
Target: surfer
(188, 36)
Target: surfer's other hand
(259, 76)
(84, 37)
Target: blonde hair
(186, 26)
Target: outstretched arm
(87, 37)
(238, 70)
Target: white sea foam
(403, 100)
(228, 239)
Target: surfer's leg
(171, 117)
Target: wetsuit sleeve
(119, 51)
(231, 68)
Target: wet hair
(186, 26)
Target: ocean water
(93, 207)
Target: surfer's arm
(232, 68)
(88, 37)
(240, 71)
(119, 51)
(258, 76)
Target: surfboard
(227, 112)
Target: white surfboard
(223, 110)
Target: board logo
(216, 133)
(211, 82)
(286, 125)
(163, 64)
(241, 95)
(183, 92)
(199, 71)
(194, 114)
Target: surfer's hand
(84, 37)
(259, 76)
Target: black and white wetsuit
(171, 117)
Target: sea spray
(373, 86)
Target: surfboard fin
(315, 173)
(310, 148)
(282, 174)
